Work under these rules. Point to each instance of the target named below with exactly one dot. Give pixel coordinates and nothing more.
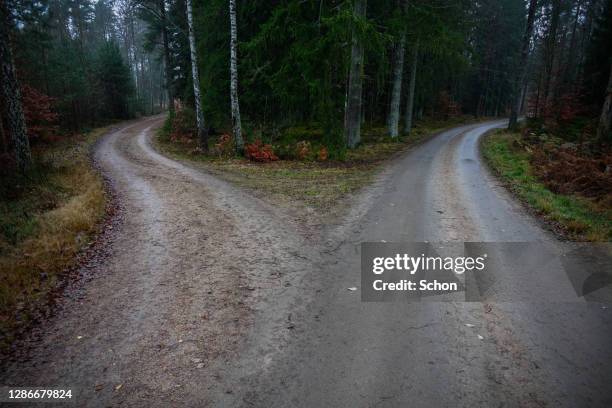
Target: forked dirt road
(213, 297)
(189, 262)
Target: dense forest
(253, 69)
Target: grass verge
(46, 218)
(317, 186)
(575, 217)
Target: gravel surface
(211, 297)
(549, 349)
(176, 292)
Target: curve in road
(550, 350)
(177, 292)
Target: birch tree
(396, 89)
(352, 118)
(202, 132)
(515, 107)
(236, 125)
(166, 55)
(11, 95)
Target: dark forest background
(82, 63)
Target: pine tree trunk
(11, 95)
(168, 68)
(236, 124)
(523, 97)
(2, 134)
(516, 106)
(150, 76)
(396, 90)
(551, 45)
(411, 88)
(352, 118)
(604, 130)
(202, 132)
(162, 103)
(569, 69)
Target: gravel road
(552, 349)
(176, 293)
(211, 297)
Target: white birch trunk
(167, 68)
(236, 124)
(396, 90)
(202, 133)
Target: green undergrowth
(576, 217)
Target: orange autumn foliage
(259, 152)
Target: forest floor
(46, 218)
(573, 192)
(313, 191)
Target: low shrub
(40, 117)
(323, 154)
(182, 127)
(302, 149)
(259, 152)
(224, 146)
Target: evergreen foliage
(109, 59)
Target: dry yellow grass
(31, 267)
